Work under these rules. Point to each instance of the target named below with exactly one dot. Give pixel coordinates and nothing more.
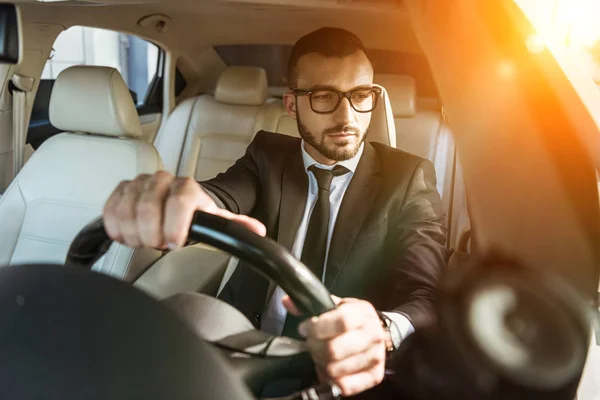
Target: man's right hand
(156, 211)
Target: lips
(341, 134)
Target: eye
(323, 96)
(361, 96)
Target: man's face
(336, 136)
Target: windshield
(571, 30)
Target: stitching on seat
(45, 200)
(113, 106)
(185, 136)
(128, 264)
(22, 221)
(44, 240)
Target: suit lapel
(294, 192)
(355, 207)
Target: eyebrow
(326, 87)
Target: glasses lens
(363, 100)
(324, 100)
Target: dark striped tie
(315, 243)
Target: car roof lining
(199, 24)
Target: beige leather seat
(422, 130)
(205, 135)
(68, 179)
(417, 121)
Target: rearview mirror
(9, 34)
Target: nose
(344, 115)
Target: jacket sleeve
(419, 239)
(238, 189)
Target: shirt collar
(351, 164)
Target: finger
(185, 196)
(344, 346)
(361, 381)
(149, 210)
(126, 211)
(248, 222)
(348, 316)
(109, 213)
(290, 306)
(321, 375)
(365, 360)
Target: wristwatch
(394, 337)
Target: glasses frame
(348, 95)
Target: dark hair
(329, 42)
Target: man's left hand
(347, 344)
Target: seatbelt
(21, 85)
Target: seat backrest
(69, 178)
(206, 134)
(417, 121)
(421, 130)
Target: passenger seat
(68, 179)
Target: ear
(289, 101)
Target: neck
(317, 156)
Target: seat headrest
(383, 128)
(245, 86)
(93, 100)
(402, 92)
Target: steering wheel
(254, 356)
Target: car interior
(218, 78)
(215, 117)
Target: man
(364, 217)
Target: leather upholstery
(234, 331)
(246, 86)
(205, 135)
(402, 92)
(64, 186)
(171, 137)
(420, 129)
(93, 100)
(382, 128)
(196, 268)
(217, 135)
(276, 119)
(416, 129)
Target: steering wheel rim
(265, 256)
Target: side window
(138, 61)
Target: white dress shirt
(275, 314)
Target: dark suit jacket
(388, 244)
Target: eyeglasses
(326, 101)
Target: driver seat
(68, 179)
